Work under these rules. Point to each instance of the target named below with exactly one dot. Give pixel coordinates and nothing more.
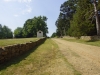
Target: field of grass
(5, 42)
(43, 60)
(90, 42)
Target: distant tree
(7, 33)
(1, 32)
(53, 35)
(18, 32)
(58, 33)
(33, 25)
(59, 25)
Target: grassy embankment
(43, 60)
(5, 42)
(89, 42)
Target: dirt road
(85, 58)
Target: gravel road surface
(84, 58)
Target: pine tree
(81, 24)
(67, 10)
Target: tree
(1, 31)
(18, 32)
(97, 17)
(81, 25)
(31, 26)
(67, 10)
(59, 26)
(53, 35)
(7, 33)
(79, 17)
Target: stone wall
(84, 37)
(90, 37)
(8, 52)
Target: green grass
(90, 42)
(5, 42)
(43, 60)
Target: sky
(14, 13)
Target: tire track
(85, 58)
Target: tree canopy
(18, 32)
(81, 25)
(31, 26)
(5, 32)
(78, 18)
(53, 35)
(67, 10)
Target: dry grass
(44, 60)
(89, 42)
(5, 42)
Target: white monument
(39, 34)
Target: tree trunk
(64, 32)
(97, 18)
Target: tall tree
(18, 32)
(1, 33)
(97, 17)
(7, 33)
(81, 25)
(53, 35)
(33, 25)
(67, 10)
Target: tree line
(5, 32)
(29, 29)
(31, 26)
(78, 18)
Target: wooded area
(5, 32)
(31, 26)
(78, 18)
(29, 29)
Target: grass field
(43, 60)
(5, 42)
(91, 42)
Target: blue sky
(14, 13)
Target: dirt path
(85, 58)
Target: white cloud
(16, 15)
(24, 1)
(8, 0)
(27, 10)
(21, 1)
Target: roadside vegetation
(89, 42)
(5, 32)
(43, 60)
(5, 42)
(78, 18)
(31, 26)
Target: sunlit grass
(89, 42)
(43, 60)
(5, 42)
